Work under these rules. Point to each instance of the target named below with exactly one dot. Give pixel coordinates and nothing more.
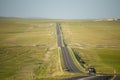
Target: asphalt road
(69, 63)
(117, 77)
(67, 59)
(59, 41)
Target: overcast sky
(61, 9)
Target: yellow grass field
(28, 50)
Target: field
(28, 50)
(96, 43)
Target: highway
(67, 59)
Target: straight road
(67, 59)
(59, 40)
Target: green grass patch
(104, 60)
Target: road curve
(67, 59)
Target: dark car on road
(66, 69)
(92, 70)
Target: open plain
(29, 49)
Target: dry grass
(28, 49)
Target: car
(92, 70)
(66, 69)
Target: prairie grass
(96, 42)
(28, 49)
(91, 33)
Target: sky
(60, 9)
